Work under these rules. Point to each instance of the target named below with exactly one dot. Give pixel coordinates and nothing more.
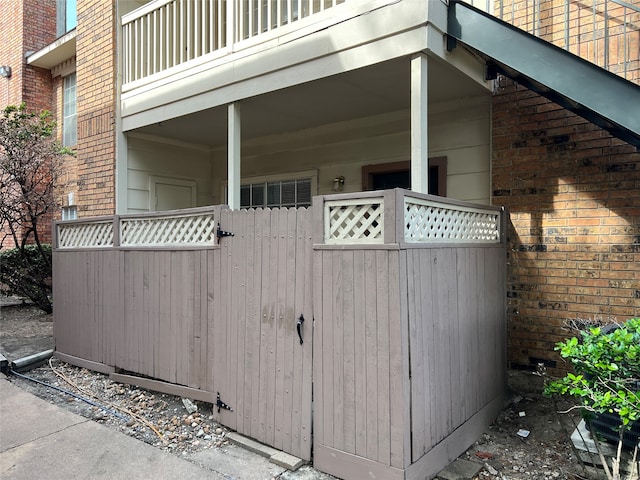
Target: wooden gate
(262, 364)
(214, 317)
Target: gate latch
(220, 404)
(299, 324)
(223, 233)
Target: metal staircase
(602, 97)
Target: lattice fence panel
(184, 230)
(354, 221)
(432, 222)
(85, 235)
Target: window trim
(403, 166)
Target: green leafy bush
(27, 273)
(607, 375)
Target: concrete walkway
(42, 440)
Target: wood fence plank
(291, 338)
(165, 347)
(297, 360)
(348, 348)
(154, 279)
(254, 272)
(371, 341)
(319, 310)
(211, 297)
(237, 244)
(338, 351)
(383, 346)
(425, 266)
(306, 382)
(455, 346)
(222, 346)
(272, 326)
(328, 317)
(360, 360)
(265, 317)
(252, 326)
(281, 327)
(416, 294)
(217, 335)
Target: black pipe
(79, 397)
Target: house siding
(573, 192)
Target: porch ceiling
(373, 90)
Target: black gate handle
(299, 327)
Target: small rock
(207, 437)
(189, 405)
(200, 433)
(490, 469)
(218, 431)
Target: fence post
(390, 215)
(317, 219)
(116, 231)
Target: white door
(171, 193)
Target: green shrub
(27, 273)
(607, 372)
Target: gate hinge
(220, 404)
(223, 233)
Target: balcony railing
(191, 228)
(401, 216)
(165, 34)
(605, 32)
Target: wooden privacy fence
(391, 304)
(213, 315)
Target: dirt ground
(528, 440)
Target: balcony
(165, 37)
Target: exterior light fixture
(338, 184)
(5, 71)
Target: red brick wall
(573, 192)
(96, 89)
(26, 25)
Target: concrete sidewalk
(42, 440)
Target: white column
(233, 157)
(419, 124)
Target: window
(70, 212)
(281, 193)
(69, 120)
(398, 175)
(288, 190)
(66, 17)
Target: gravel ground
(163, 420)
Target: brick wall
(573, 192)
(26, 25)
(96, 90)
